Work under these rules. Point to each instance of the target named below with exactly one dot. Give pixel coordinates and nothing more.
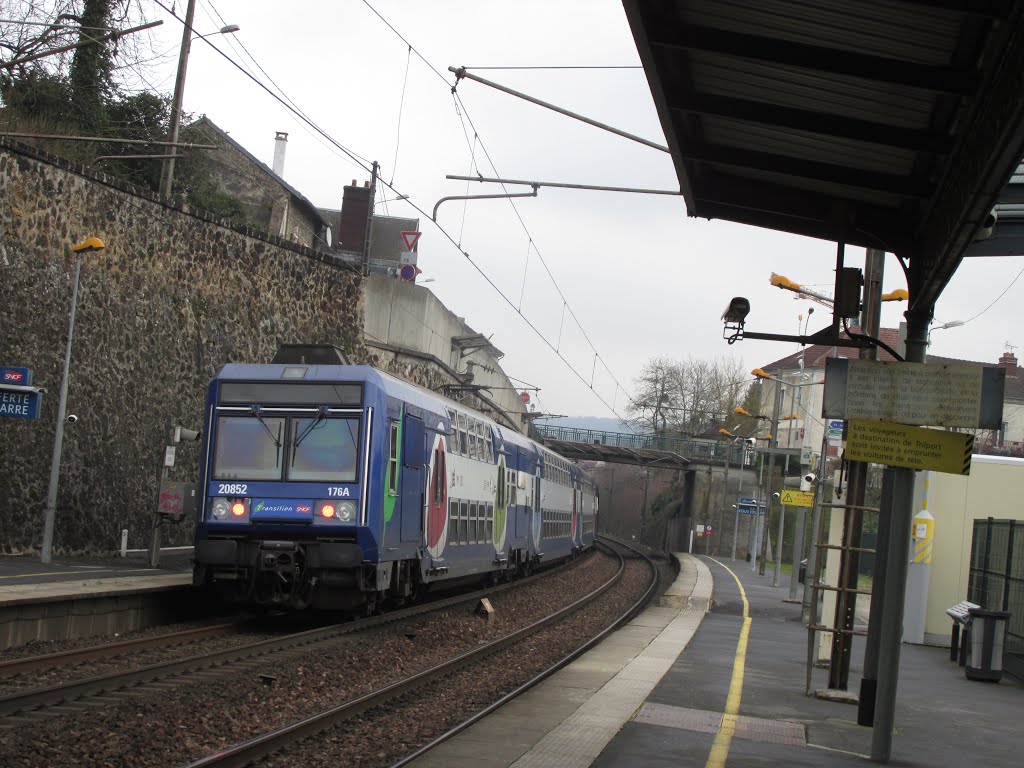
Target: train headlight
(220, 509)
(334, 511)
(346, 511)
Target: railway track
(27, 706)
(281, 740)
(65, 659)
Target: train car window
(453, 521)
(478, 448)
(249, 448)
(273, 393)
(463, 447)
(453, 432)
(441, 474)
(324, 450)
(489, 533)
(474, 440)
(512, 488)
(464, 522)
(393, 459)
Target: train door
(413, 479)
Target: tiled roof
(302, 199)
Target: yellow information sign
(798, 498)
(898, 445)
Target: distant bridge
(648, 449)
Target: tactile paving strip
(749, 728)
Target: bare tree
(686, 396)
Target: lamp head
(88, 245)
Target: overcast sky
(642, 278)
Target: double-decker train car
(338, 486)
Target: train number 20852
(232, 489)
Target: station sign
(898, 445)
(918, 394)
(797, 498)
(27, 404)
(749, 507)
(14, 375)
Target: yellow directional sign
(798, 498)
(898, 445)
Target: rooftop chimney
(355, 208)
(1009, 362)
(280, 145)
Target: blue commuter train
(339, 486)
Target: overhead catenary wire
(363, 164)
(462, 110)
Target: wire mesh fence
(996, 579)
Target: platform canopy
(880, 123)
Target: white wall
(403, 314)
(995, 488)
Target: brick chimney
(355, 207)
(1009, 362)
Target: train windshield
(324, 450)
(248, 448)
(313, 449)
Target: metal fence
(703, 451)
(996, 580)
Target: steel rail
(15, 667)
(62, 693)
(245, 753)
(627, 615)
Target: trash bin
(988, 634)
(803, 571)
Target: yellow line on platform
(723, 739)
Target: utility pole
(167, 173)
(849, 557)
(725, 491)
(369, 219)
(773, 443)
(890, 633)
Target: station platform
(69, 598)
(656, 693)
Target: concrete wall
(994, 488)
(171, 299)
(402, 315)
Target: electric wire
(997, 298)
(355, 159)
(522, 223)
(461, 104)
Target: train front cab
(289, 517)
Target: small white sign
(921, 531)
(169, 452)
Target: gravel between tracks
(185, 723)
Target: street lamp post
(167, 174)
(46, 556)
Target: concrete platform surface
(25, 579)
(678, 687)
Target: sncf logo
(14, 376)
(303, 508)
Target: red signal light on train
(238, 509)
(327, 510)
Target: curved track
(248, 752)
